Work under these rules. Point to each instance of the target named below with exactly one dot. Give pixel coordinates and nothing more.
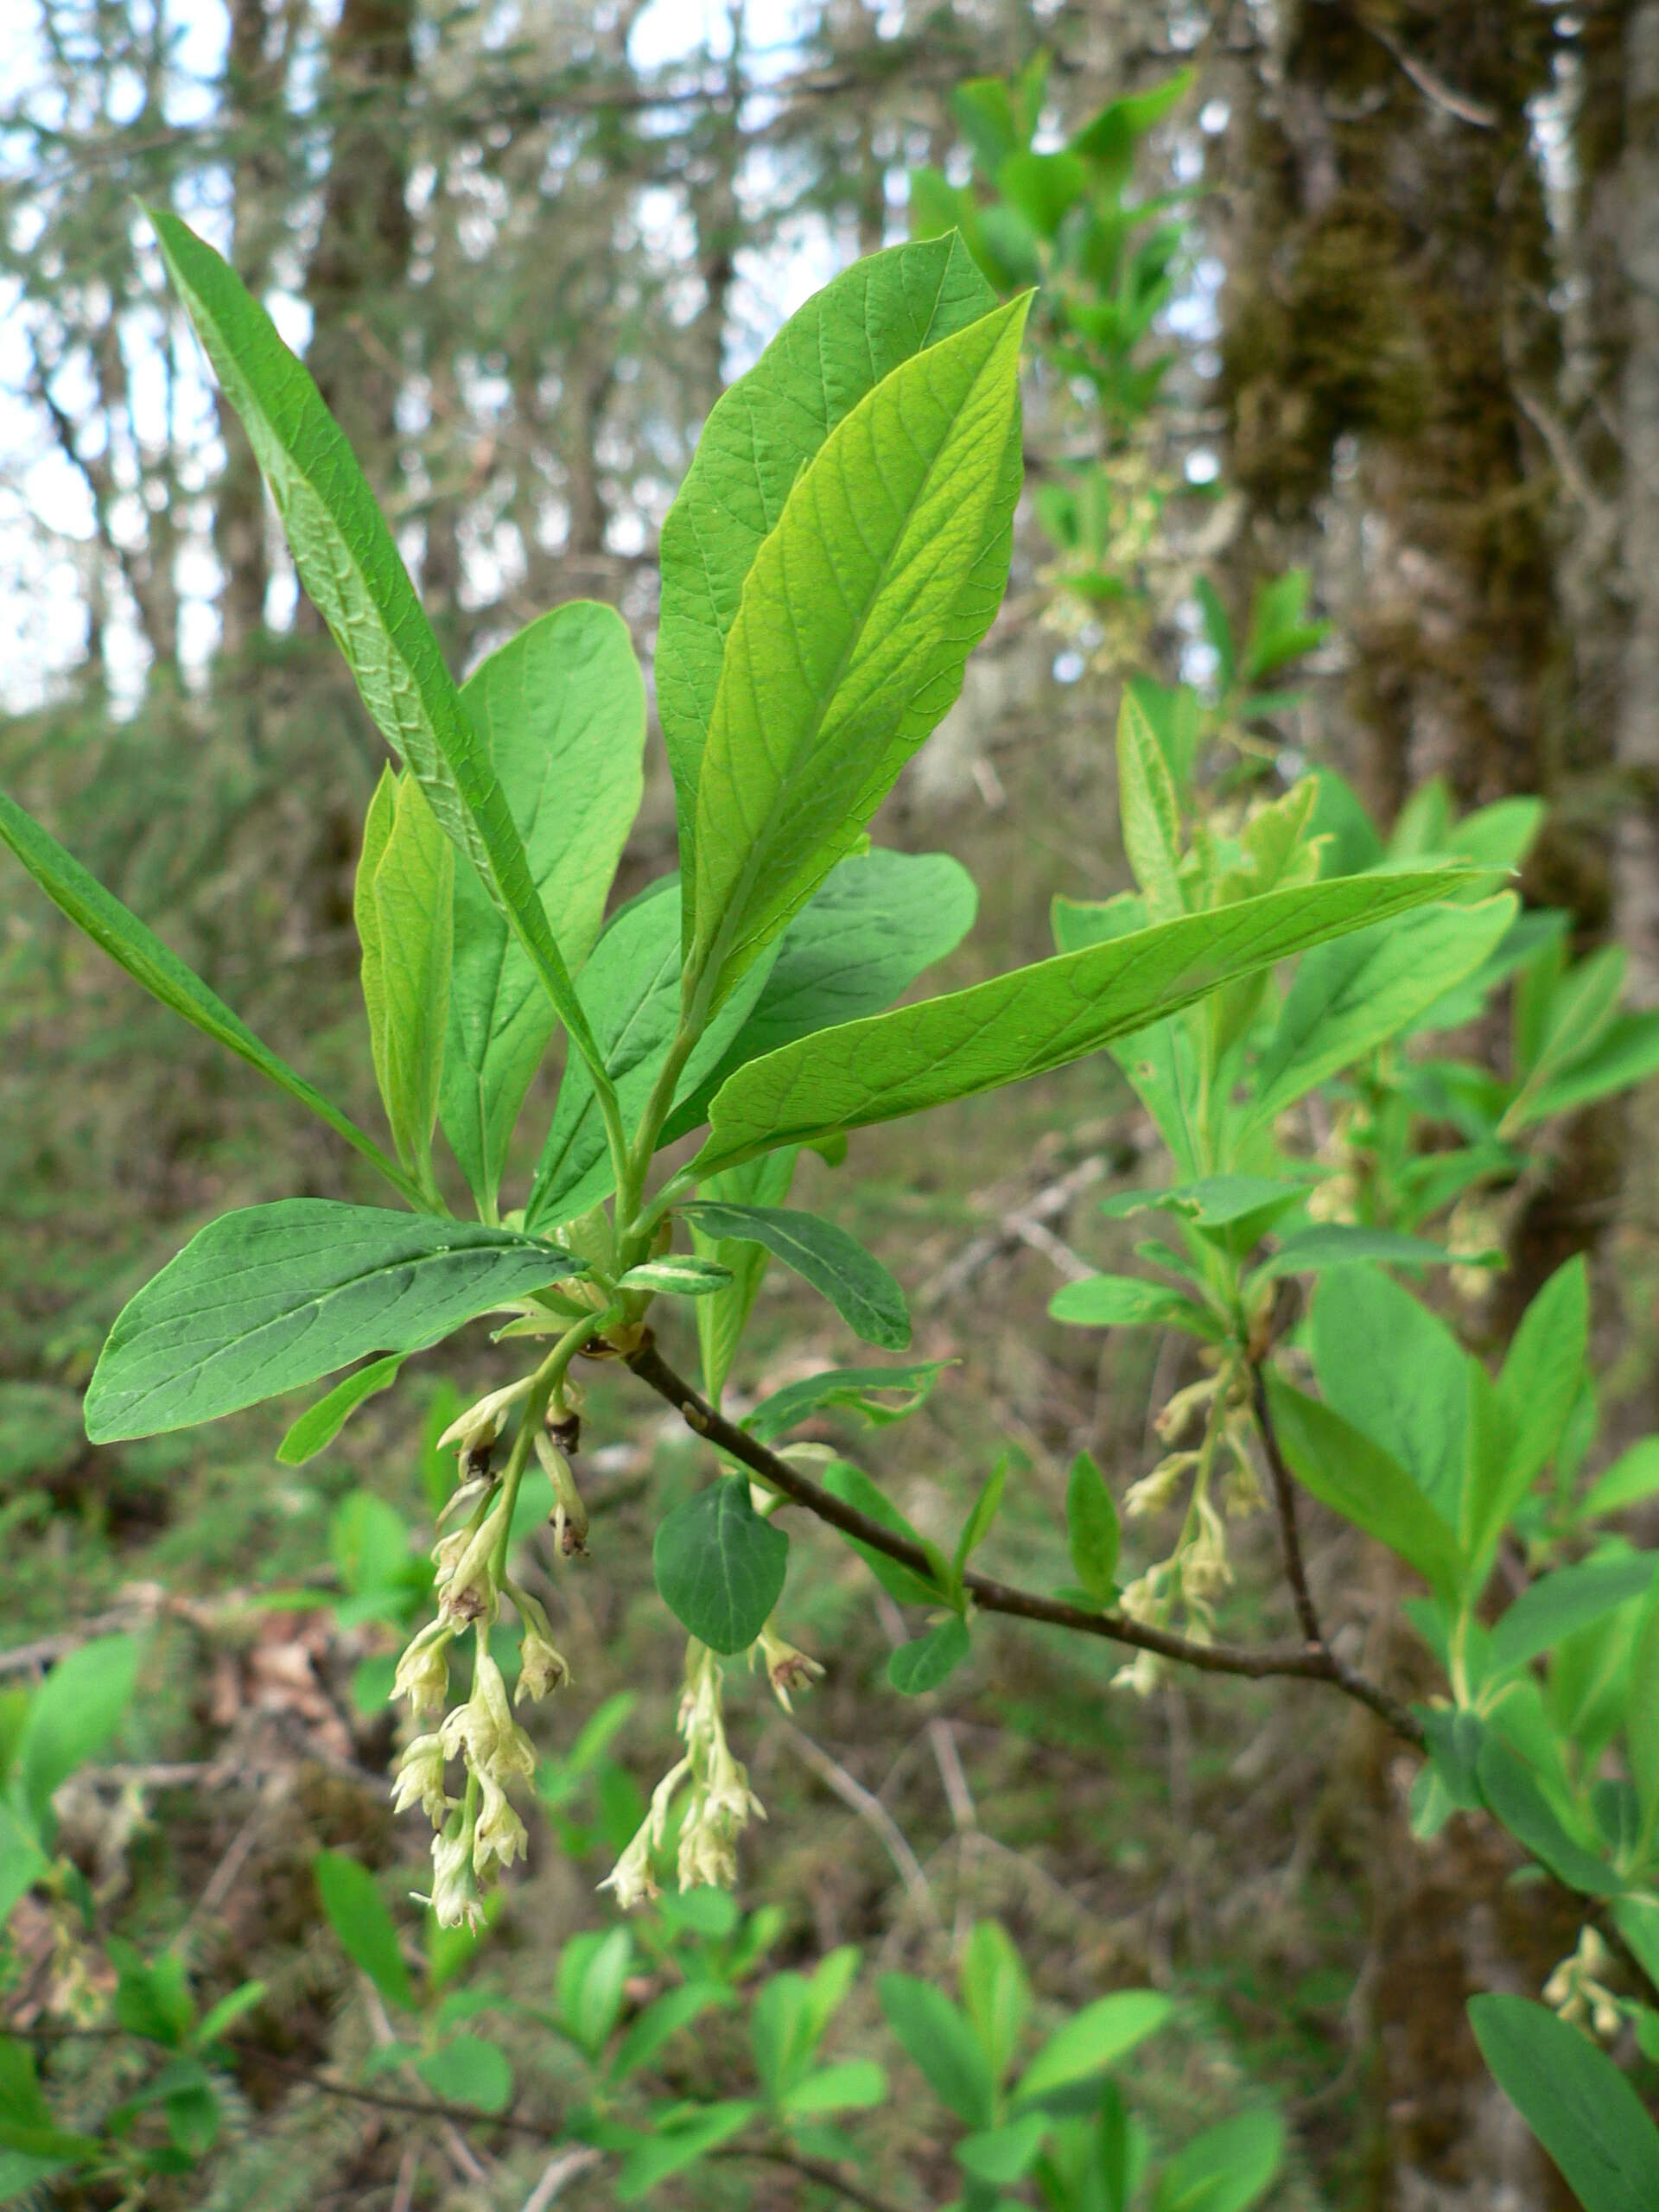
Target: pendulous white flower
(420, 1780)
(542, 1665)
(423, 1672)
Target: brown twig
(811, 2170)
(1255, 1664)
(1399, 1717)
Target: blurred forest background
(523, 244)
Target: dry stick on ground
(1316, 1662)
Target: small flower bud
(481, 1424)
(420, 1780)
(632, 1879)
(455, 1885)
(499, 1836)
(786, 1669)
(422, 1672)
(467, 1591)
(542, 1665)
(570, 1514)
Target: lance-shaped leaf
(722, 1319)
(853, 1281)
(1034, 1019)
(857, 618)
(562, 707)
(118, 931)
(352, 569)
(1347, 999)
(877, 920)
(632, 985)
(1575, 2100)
(404, 883)
(758, 437)
(267, 1299)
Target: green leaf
(1626, 1052)
(1387, 1365)
(856, 620)
(470, 2070)
(266, 1299)
(1578, 1012)
(631, 988)
(940, 2041)
(132, 946)
(1338, 1244)
(1034, 1019)
(719, 1567)
(853, 1487)
(721, 1320)
(1348, 999)
(1355, 1478)
(1642, 1724)
(1227, 2169)
(866, 1391)
(1570, 1599)
(562, 710)
(1514, 1796)
(1092, 1527)
(367, 1932)
(995, 1994)
(220, 2017)
(760, 435)
(837, 1265)
(1092, 2040)
(593, 1979)
(1535, 1394)
(73, 1717)
(1128, 1302)
(1000, 2155)
(356, 579)
(690, 2134)
(318, 1425)
(663, 2020)
(681, 1274)
(923, 1663)
(874, 923)
(1632, 1477)
(22, 1862)
(853, 2085)
(1574, 2099)
(1151, 813)
(410, 888)
(978, 1524)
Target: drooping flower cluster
(719, 1805)
(1577, 1990)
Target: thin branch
(995, 1597)
(812, 2169)
(1398, 1717)
(1284, 1504)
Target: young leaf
(1128, 1302)
(367, 1932)
(120, 933)
(1092, 2040)
(865, 1391)
(686, 2135)
(1579, 1011)
(1093, 1527)
(939, 2040)
(1535, 1392)
(411, 890)
(1034, 1019)
(923, 1663)
(995, 1994)
(875, 922)
(1151, 813)
(355, 576)
(469, 2070)
(760, 435)
(720, 1567)
(853, 1487)
(857, 617)
(853, 2085)
(1002, 2155)
(1348, 998)
(1632, 1477)
(318, 1425)
(1626, 1052)
(721, 1320)
(266, 1299)
(1570, 1599)
(1642, 1724)
(1345, 1469)
(73, 1717)
(1574, 2099)
(837, 1265)
(1329, 1244)
(561, 710)
(1227, 2169)
(977, 1526)
(1513, 1795)
(665, 2018)
(632, 986)
(681, 1274)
